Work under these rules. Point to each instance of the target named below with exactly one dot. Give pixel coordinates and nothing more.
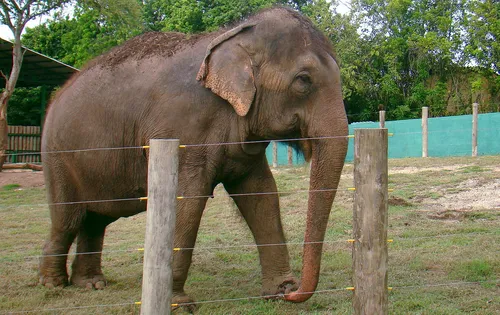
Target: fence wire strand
(182, 197)
(221, 247)
(274, 296)
(238, 142)
(185, 145)
(55, 309)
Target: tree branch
(3, 17)
(4, 76)
(28, 4)
(6, 11)
(17, 7)
(48, 8)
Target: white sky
(7, 34)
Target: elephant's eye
(302, 83)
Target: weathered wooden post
(290, 155)
(381, 115)
(370, 222)
(160, 225)
(275, 154)
(425, 134)
(474, 128)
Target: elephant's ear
(227, 70)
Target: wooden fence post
(425, 134)
(370, 222)
(160, 225)
(474, 128)
(290, 155)
(275, 154)
(381, 115)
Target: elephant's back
(148, 45)
(119, 88)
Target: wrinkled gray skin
(272, 77)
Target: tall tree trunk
(3, 136)
(17, 60)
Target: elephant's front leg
(189, 212)
(262, 214)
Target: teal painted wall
(448, 136)
(283, 155)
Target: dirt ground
(25, 178)
(474, 196)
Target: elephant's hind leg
(86, 267)
(63, 231)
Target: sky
(7, 34)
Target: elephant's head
(280, 75)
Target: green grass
(432, 245)
(11, 187)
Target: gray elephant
(274, 76)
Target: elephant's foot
(276, 287)
(182, 300)
(53, 281)
(97, 281)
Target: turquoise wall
(448, 136)
(283, 155)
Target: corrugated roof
(37, 69)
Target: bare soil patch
(474, 195)
(413, 169)
(396, 201)
(24, 178)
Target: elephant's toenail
(100, 285)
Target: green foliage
(25, 107)
(192, 16)
(484, 33)
(94, 28)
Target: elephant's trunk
(328, 157)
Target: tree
(484, 33)
(194, 16)
(483, 47)
(24, 106)
(47, 38)
(93, 29)
(414, 48)
(15, 14)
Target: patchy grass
(473, 169)
(10, 187)
(473, 270)
(437, 255)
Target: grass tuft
(11, 187)
(475, 270)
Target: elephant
(273, 76)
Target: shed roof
(37, 69)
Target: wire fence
(249, 298)
(347, 241)
(229, 247)
(185, 146)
